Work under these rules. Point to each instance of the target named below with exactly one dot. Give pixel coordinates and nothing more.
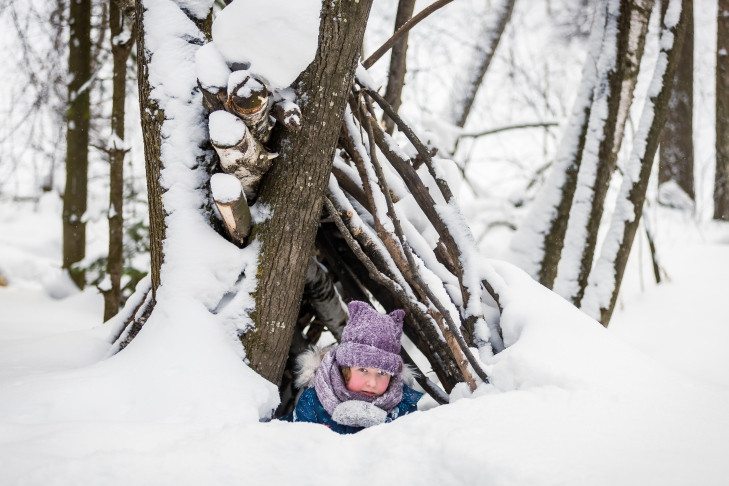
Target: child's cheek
(382, 384)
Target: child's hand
(358, 414)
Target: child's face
(370, 381)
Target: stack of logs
(361, 240)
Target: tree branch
(375, 56)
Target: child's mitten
(358, 414)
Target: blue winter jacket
(310, 409)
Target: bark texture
(636, 188)
(676, 156)
(77, 140)
(721, 179)
(398, 61)
(120, 53)
(617, 101)
(294, 187)
(151, 117)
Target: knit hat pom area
(371, 339)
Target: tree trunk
(488, 41)
(120, 50)
(77, 140)
(721, 179)
(398, 62)
(294, 187)
(602, 293)
(593, 137)
(602, 146)
(676, 159)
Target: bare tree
(488, 40)
(77, 140)
(601, 148)
(721, 179)
(677, 146)
(605, 279)
(34, 128)
(302, 172)
(575, 192)
(121, 46)
(398, 61)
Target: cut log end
(232, 205)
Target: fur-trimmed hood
(308, 361)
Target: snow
(225, 187)
(226, 129)
(571, 403)
(274, 46)
(210, 68)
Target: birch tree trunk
(77, 140)
(294, 187)
(676, 158)
(605, 280)
(721, 178)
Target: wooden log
(288, 114)
(240, 153)
(248, 98)
(213, 98)
(228, 196)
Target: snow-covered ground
(642, 403)
(571, 403)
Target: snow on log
(248, 98)
(288, 114)
(240, 153)
(232, 205)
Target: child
(358, 383)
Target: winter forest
(192, 191)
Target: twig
(414, 271)
(506, 128)
(393, 286)
(419, 146)
(375, 56)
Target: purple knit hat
(371, 339)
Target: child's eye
(382, 373)
(363, 370)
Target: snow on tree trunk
(721, 178)
(492, 28)
(601, 148)
(537, 245)
(575, 190)
(602, 292)
(294, 187)
(178, 159)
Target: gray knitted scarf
(332, 390)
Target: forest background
(532, 80)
